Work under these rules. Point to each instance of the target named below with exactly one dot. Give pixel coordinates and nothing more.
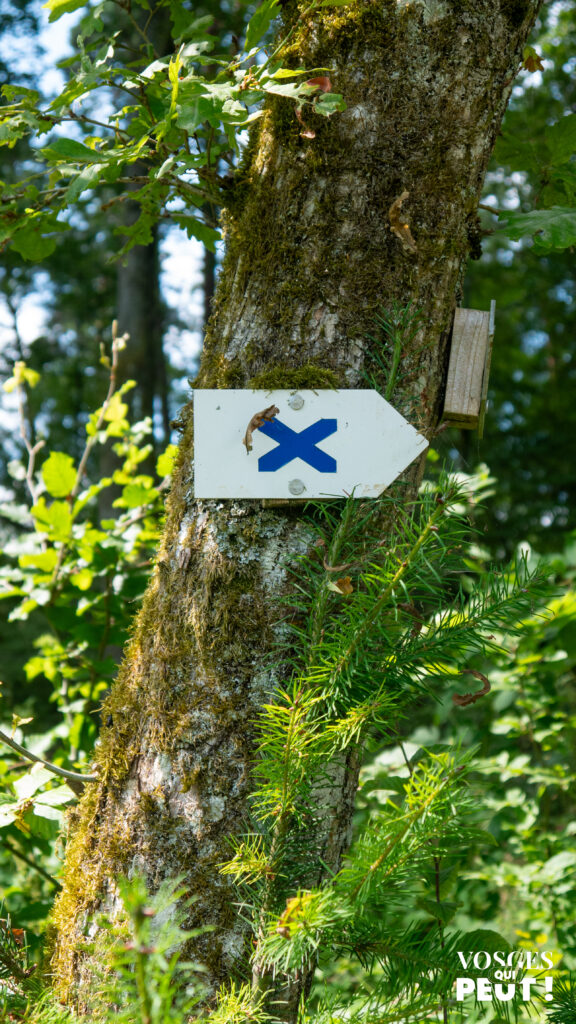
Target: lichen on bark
(310, 259)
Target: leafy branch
(182, 119)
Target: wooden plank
(486, 377)
(468, 355)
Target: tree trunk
(313, 252)
(140, 316)
(208, 283)
(140, 308)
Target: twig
(75, 779)
(471, 698)
(31, 449)
(440, 928)
(31, 863)
(83, 119)
(406, 759)
(116, 345)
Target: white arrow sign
(318, 444)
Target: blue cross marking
(297, 445)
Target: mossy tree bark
(311, 256)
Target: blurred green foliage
(74, 578)
(531, 418)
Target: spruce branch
(563, 1008)
(382, 600)
(407, 625)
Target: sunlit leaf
(59, 7)
(59, 474)
(260, 23)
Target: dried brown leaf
(307, 132)
(322, 82)
(471, 698)
(257, 421)
(342, 586)
(399, 225)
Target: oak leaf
(532, 61)
(322, 82)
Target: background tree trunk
(140, 307)
(140, 315)
(311, 257)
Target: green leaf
(28, 784)
(22, 611)
(88, 177)
(192, 50)
(14, 93)
(42, 810)
(292, 90)
(184, 28)
(557, 868)
(22, 376)
(196, 108)
(17, 721)
(57, 796)
(135, 495)
(54, 520)
(7, 815)
(69, 149)
(32, 243)
(59, 474)
(195, 228)
(329, 103)
(114, 416)
(59, 7)
(561, 138)
(443, 910)
(44, 560)
(260, 23)
(293, 73)
(165, 461)
(82, 579)
(39, 824)
(485, 939)
(38, 666)
(551, 229)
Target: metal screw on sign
(296, 402)
(296, 487)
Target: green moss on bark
(274, 378)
